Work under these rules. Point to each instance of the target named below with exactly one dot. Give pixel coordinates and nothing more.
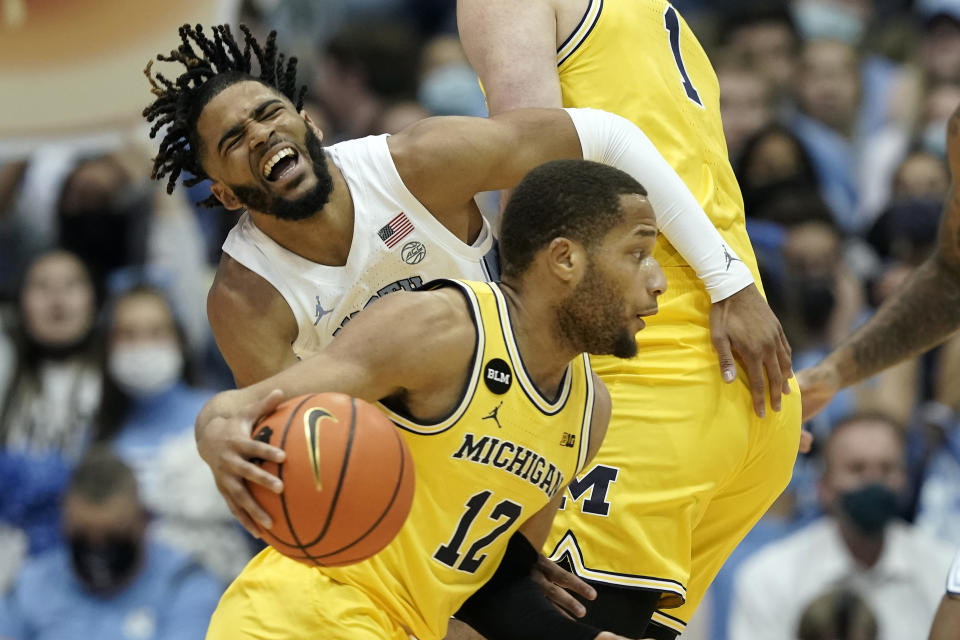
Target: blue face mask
(869, 508)
(816, 19)
(451, 90)
(933, 138)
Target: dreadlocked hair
(218, 64)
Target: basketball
(348, 479)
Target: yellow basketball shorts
(276, 598)
(686, 468)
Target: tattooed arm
(921, 315)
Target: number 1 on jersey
(671, 23)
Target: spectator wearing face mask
(147, 414)
(860, 544)
(110, 581)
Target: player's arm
(252, 324)
(445, 161)
(379, 354)
(921, 315)
(496, 34)
(254, 328)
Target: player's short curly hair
(575, 199)
(211, 65)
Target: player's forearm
(922, 315)
(608, 138)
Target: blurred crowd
(835, 113)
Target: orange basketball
(348, 479)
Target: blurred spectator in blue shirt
(147, 414)
(110, 582)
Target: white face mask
(818, 19)
(146, 369)
(933, 138)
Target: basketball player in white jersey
(328, 231)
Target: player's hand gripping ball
(348, 479)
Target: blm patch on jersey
(497, 376)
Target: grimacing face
(606, 309)
(261, 154)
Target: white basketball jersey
(397, 244)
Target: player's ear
(316, 130)
(226, 196)
(566, 259)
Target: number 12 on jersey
(505, 513)
(671, 23)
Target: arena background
(835, 114)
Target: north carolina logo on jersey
(497, 376)
(413, 252)
(311, 427)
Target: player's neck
(326, 236)
(545, 356)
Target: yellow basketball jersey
(640, 60)
(493, 463)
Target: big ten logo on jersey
(509, 457)
(406, 284)
(594, 484)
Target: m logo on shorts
(597, 482)
(497, 376)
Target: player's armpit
(496, 34)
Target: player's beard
(300, 208)
(591, 318)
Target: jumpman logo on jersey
(320, 312)
(493, 415)
(730, 258)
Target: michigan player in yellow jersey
(326, 231)
(497, 403)
(689, 466)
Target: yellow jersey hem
(568, 546)
(668, 621)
